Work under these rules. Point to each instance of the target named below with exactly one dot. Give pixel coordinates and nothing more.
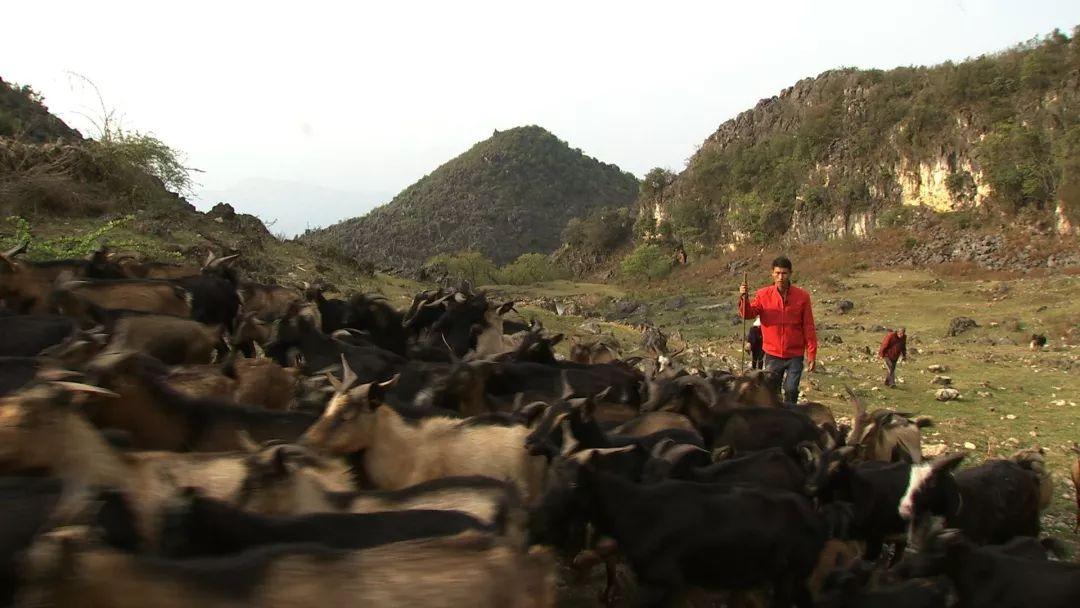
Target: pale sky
(369, 97)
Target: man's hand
(744, 290)
(811, 365)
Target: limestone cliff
(847, 151)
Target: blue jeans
(791, 368)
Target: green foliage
(647, 261)
(530, 268)
(896, 217)
(124, 151)
(656, 183)
(72, 246)
(466, 265)
(1067, 159)
(961, 185)
(599, 233)
(1016, 162)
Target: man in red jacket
(787, 327)
(893, 348)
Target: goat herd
(174, 436)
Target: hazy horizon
(343, 108)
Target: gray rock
(941, 380)
(960, 325)
(675, 303)
(947, 394)
(844, 306)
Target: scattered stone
(947, 394)
(937, 369)
(879, 328)
(1058, 402)
(984, 394)
(844, 306)
(833, 339)
(675, 303)
(960, 325)
(626, 307)
(1010, 416)
(941, 380)
(933, 450)
(969, 446)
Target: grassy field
(1011, 397)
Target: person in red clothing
(893, 348)
(787, 327)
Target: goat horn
(79, 387)
(348, 376)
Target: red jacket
(893, 347)
(787, 328)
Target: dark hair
(782, 262)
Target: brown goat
(161, 418)
(24, 288)
(135, 268)
(201, 381)
(268, 301)
(264, 383)
(399, 453)
(66, 568)
(886, 435)
(1034, 460)
(171, 340)
(143, 295)
(287, 480)
(42, 429)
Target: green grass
(1014, 381)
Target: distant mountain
(290, 208)
(510, 194)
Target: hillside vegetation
(510, 194)
(841, 153)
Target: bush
(530, 268)
(73, 246)
(465, 265)
(646, 262)
(601, 232)
(1016, 161)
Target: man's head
(781, 272)
(900, 331)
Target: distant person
(893, 348)
(787, 327)
(755, 346)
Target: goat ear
(947, 463)
(588, 409)
(556, 339)
(570, 444)
(505, 308)
(279, 464)
(661, 447)
(334, 382)
(246, 442)
(531, 411)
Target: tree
(646, 262)
(656, 184)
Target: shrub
(646, 262)
(601, 232)
(465, 265)
(530, 268)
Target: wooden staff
(742, 347)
